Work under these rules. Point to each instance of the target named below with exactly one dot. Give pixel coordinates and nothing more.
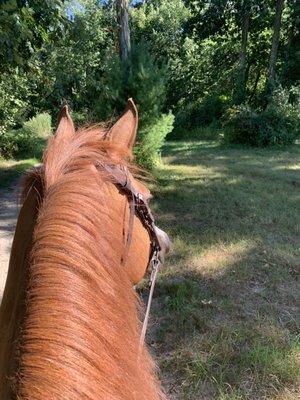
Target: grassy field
(10, 170)
(226, 311)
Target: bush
(8, 146)
(239, 124)
(210, 132)
(27, 141)
(199, 114)
(278, 124)
(39, 126)
(14, 91)
(18, 143)
(151, 141)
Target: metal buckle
(140, 198)
(154, 265)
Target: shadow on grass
(226, 305)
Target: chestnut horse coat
(69, 318)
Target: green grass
(10, 170)
(227, 302)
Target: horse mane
(79, 338)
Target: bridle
(139, 207)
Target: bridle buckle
(140, 197)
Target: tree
(26, 26)
(275, 42)
(240, 91)
(73, 67)
(123, 29)
(291, 70)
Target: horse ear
(65, 128)
(124, 130)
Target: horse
(70, 317)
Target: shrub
(14, 91)
(239, 124)
(278, 124)
(200, 113)
(151, 141)
(39, 126)
(210, 132)
(27, 141)
(8, 146)
(18, 143)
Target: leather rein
(140, 208)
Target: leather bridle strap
(130, 230)
(155, 267)
(138, 207)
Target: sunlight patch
(193, 171)
(217, 259)
(292, 167)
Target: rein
(139, 207)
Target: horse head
(70, 313)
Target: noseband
(140, 208)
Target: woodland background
(223, 69)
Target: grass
(226, 312)
(10, 170)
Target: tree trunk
(123, 29)
(292, 45)
(241, 81)
(255, 84)
(275, 43)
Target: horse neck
(81, 330)
(13, 302)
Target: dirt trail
(8, 217)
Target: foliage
(11, 170)
(39, 126)
(185, 58)
(278, 124)
(208, 132)
(146, 83)
(17, 144)
(160, 23)
(72, 69)
(200, 113)
(26, 141)
(26, 26)
(143, 79)
(14, 93)
(152, 140)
